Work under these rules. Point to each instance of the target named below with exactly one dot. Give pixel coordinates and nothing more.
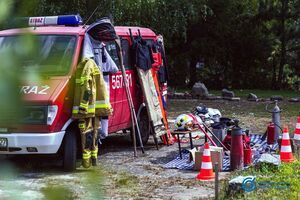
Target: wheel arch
(70, 125)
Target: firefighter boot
(86, 158)
(94, 157)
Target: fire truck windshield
(50, 55)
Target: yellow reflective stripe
(81, 125)
(91, 110)
(76, 110)
(94, 153)
(81, 80)
(103, 106)
(84, 105)
(106, 101)
(86, 156)
(96, 72)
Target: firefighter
(90, 103)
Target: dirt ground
(120, 175)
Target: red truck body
(55, 94)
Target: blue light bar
(67, 20)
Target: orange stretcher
(168, 138)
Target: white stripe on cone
(206, 152)
(286, 149)
(298, 126)
(296, 136)
(285, 136)
(206, 165)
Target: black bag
(142, 54)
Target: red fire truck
(47, 127)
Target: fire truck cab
(48, 127)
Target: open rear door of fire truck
(143, 61)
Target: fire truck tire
(144, 126)
(69, 151)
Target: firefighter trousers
(89, 132)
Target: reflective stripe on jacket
(90, 96)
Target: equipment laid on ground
(184, 122)
(219, 130)
(286, 154)
(237, 148)
(179, 133)
(206, 171)
(208, 115)
(193, 121)
(275, 118)
(216, 153)
(215, 137)
(230, 124)
(297, 132)
(271, 133)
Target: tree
(243, 44)
(281, 17)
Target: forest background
(249, 44)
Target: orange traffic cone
(206, 171)
(286, 154)
(297, 130)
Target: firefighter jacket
(90, 97)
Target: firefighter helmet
(184, 122)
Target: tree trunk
(284, 4)
(273, 86)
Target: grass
(271, 182)
(254, 116)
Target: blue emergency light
(67, 20)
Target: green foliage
(243, 44)
(10, 76)
(286, 175)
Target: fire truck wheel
(144, 126)
(70, 151)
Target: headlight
(52, 111)
(35, 115)
(40, 114)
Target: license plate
(3, 130)
(3, 142)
